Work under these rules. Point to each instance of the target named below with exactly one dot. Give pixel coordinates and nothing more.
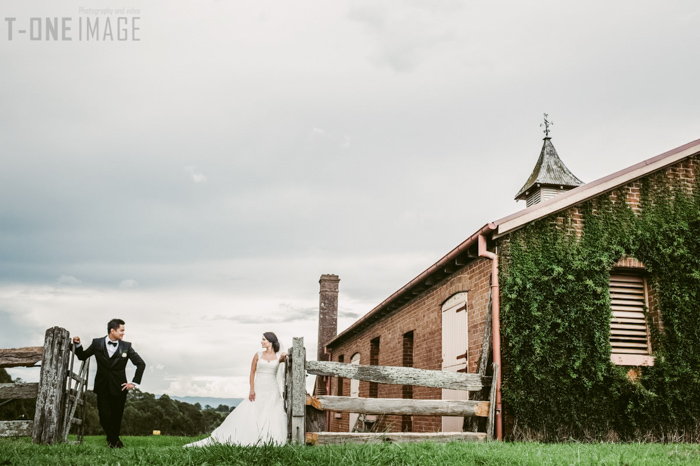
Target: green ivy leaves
(555, 318)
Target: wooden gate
(297, 400)
(57, 398)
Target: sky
(196, 178)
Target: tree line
(143, 413)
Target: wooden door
(455, 343)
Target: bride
(261, 419)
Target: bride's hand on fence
(283, 357)
(251, 397)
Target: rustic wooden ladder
(297, 400)
(76, 395)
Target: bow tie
(113, 343)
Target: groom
(111, 387)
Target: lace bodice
(266, 373)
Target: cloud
(345, 314)
(128, 284)
(404, 38)
(370, 14)
(316, 133)
(345, 142)
(287, 313)
(68, 280)
(197, 177)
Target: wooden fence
(301, 408)
(59, 394)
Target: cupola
(549, 177)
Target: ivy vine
(558, 380)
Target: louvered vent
(534, 198)
(629, 333)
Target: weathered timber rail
(305, 413)
(399, 375)
(328, 438)
(399, 406)
(18, 391)
(56, 398)
(16, 428)
(21, 357)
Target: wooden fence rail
(399, 375)
(332, 438)
(18, 391)
(296, 389)
(399, 406)
(21, 357)
(16, 428)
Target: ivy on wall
(559, 381)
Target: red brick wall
(422, 316)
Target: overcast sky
(198, 181)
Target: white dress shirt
(111, 349)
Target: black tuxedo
(111, 374)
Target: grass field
(168, 450)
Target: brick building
(438, 320)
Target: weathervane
(546, 125)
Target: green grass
(168, 450)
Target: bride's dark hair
(272, 338)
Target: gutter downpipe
(496, 329)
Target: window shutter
(629, 333)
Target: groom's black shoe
(119, 444)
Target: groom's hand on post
(76, 340)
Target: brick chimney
(327, 312)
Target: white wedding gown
(258, 422)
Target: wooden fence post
(288, 392)
(48, 420)
(298, 400)
(491, 423)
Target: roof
(589, 190)
(515, 221)
(549, 170)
